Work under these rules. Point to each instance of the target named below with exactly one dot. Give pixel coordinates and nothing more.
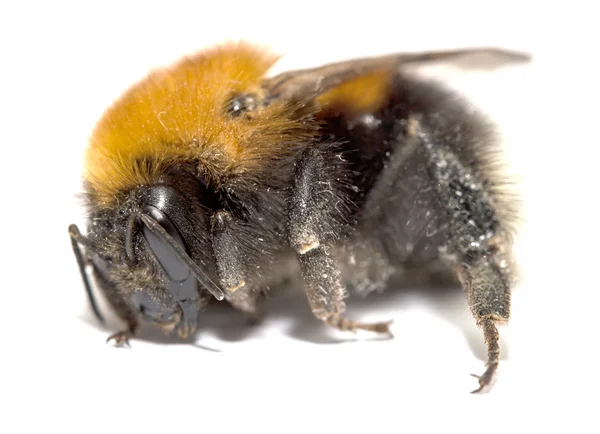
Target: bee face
(140, 255)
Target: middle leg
(317, 216)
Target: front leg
(124, 312)
(231, 267)
(119, 339)
(316, 220)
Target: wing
(306, 84)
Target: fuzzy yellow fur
(179, 114)
(361, 95)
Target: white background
(63, 64)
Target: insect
(203, 178)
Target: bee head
(143, 261)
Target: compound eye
(168, 247)
(164, 253)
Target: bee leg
(246, 302)
(476, 243)
(230, 266)
(326, 294)
(314, 223)
(488, 293)
(120, 308)
(121, 339)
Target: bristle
(179, 114)
(501, 184)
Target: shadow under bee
(444, 300)
(288, 303)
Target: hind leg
(488, 293)
(477, 243)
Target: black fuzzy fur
(413, 183)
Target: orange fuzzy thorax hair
(364, 94)
(179, 114)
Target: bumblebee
(204, 178)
